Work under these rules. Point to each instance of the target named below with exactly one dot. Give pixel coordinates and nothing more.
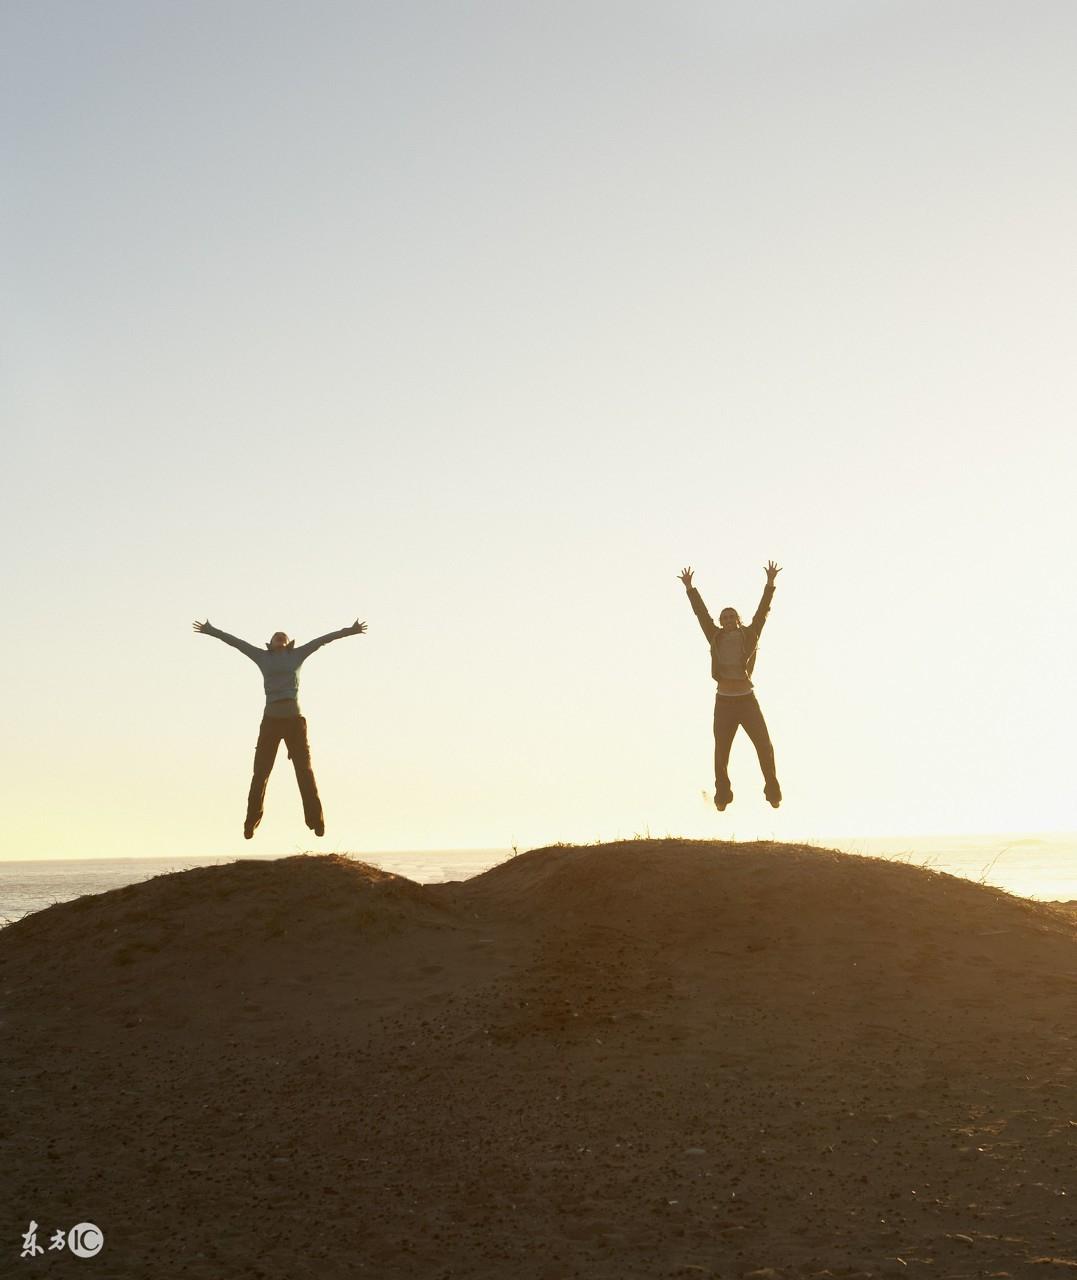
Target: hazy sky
(480, 320)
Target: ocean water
(1035, 866)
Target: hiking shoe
(773, 793)
(721, 801)
(319, 827)
(248, 831)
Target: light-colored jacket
(732, 670)
(279, 667)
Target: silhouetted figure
(279, 663)
(733, 648)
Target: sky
(479, 321)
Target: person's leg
(726, 720)
(299, 750)
(756, 729)
(264, 754)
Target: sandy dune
(647, 1059)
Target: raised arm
(706, 622)
(356, 629)
(208, 629)
(768, 595)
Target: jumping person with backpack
(733, 648)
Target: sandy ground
(647, 1059)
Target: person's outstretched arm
(356, 629)
(208, 629)
(706, 622)
(768, 594)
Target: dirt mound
(647, 1058)
(797, 934)
(682, 890)
(184, 927)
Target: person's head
(279, 640)
(729, 618)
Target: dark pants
(293, 729)
(729, 715)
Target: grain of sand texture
(646, 1059)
